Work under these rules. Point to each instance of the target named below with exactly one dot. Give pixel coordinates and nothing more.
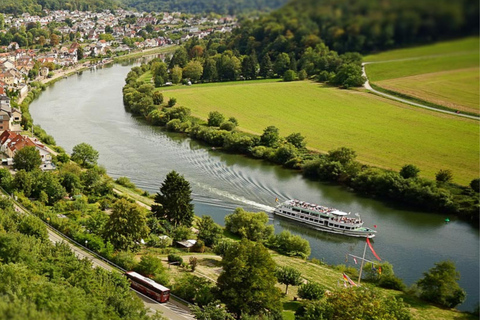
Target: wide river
(88, 108)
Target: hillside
(444, 73)
(37, 6)
(361, 26)
(205, 6)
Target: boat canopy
(339, 213)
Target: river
(88, 108)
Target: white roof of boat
(339, 213)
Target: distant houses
(12, 142)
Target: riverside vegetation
(339, 165)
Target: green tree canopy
(439, 285)
(27, 158)
(174, 201)
(247, 282)
(409, 171)
(249, 225)
(209, 231)
(288, 276)
(85, 155)
(126, 226)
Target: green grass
(405, 68)
(457, 89)
(383, 133)
(448, 47)
(445, 73)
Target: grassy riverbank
(382, 132)
(445, 73)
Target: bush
(289, 75)
(124, 181)
(125, 259)
(227, 126)
(173, 258)
(311, 291)
(215, 119)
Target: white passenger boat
(324, 219)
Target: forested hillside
(205, 6)
(37, 6)
(358, 25)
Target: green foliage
(227, 126)
(289, 75)
(444, 176)
(124, 181)
(150, 266)
(215, 119)
(409, 171)
(125, 259)
(349, 75)
(175, 258)
(311, 291)
(27, 158)
(289, 244)
(475, 185)
(247, 282)
(194, 289)
(211, 311)
(250, 225)
(288, 276)
(208, 231)
(364, 301)
(33, 226)
(181, 233)
(126, 226)
(173, 203)
(85, 155)
(270, 137)
(439, 285)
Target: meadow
(383, 133)
(445, 73)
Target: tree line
(37, 7)
(405, 187)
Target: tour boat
(324, 219)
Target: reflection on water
(89, 108)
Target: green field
(383, 133)
(445, 74)
(441, 48)
(457, 89)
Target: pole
(363, 260)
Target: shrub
(124, 181)
(227, 125)
(173, 258)
(311, 291)
(215, 119)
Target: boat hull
(326, 224)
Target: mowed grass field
(383, 133)
(445, 73)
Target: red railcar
(148, 287)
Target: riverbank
(221, 181)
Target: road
(172, 310)
(389, 96)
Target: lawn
(448, 47)
(382, 132)
(457, 89)
(445, 73)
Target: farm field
(445, 73)
(382, 132)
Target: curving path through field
(389, 96)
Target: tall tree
(126, 226)
(266, 67)
(193, 70)
(209, 231)
(174, 202)
(27, 158)
(85, 155)
(439, 285)
(247, 282)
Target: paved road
(172, 310)
(389, 96)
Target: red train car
(148, 287)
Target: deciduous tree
(247, 282)
(288, 276)
(126, 226)
(439, 285)
(85, 155)
(27, 158)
